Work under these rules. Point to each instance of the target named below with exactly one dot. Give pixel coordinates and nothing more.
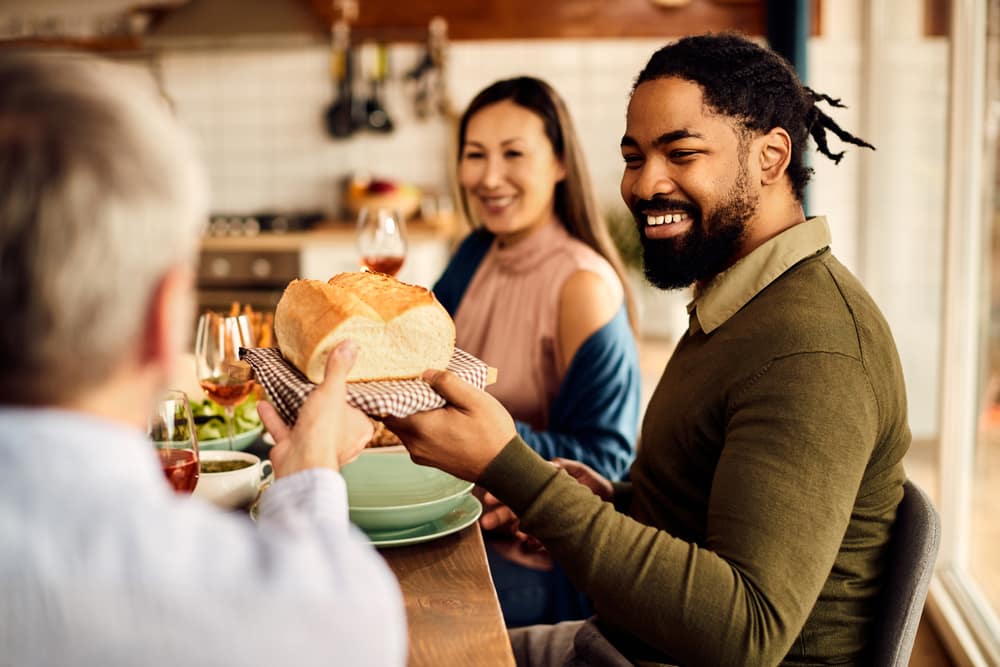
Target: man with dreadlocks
(755, 525)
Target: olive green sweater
(753, 530)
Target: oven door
(253, 278)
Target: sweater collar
(733, 288)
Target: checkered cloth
(288, 388)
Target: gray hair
(100, 196)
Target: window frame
(955, 595)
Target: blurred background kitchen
(306, 111)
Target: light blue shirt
(102, 564)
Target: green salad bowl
(386, 491)
(240, 440)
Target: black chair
(916, 536)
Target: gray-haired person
(101, 563)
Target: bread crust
(306, 313)
(386, 295)
(312, 317)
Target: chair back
(913, 549)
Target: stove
(252, 276)
(265, 222)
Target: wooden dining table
(452, 609)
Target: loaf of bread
(382, 436)
(401, 330)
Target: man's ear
(774, 154)
(169, 318)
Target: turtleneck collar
(531, 250)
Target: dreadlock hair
(758, 88)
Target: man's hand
(329, 433)
(461, 438)
(497, 516)
(587, 476)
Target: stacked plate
(397, 502)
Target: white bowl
(235, 488)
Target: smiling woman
(508, 170)
(538, 292)
(539, 287)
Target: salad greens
(210, 418)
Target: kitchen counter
(255, 269)
(328, 232)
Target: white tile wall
(258, 115)
(905, 262)
(834, 67)
(894, 242)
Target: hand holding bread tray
(401, 330)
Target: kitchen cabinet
(111, 26)
(530, 19)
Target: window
(969, 566)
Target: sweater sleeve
(794, 455)
(595, 415)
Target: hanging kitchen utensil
(358, 93)
(376, 117)
(339, 116)
(438, 49)
(419, 78)
(429, 77)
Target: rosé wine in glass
(221, 373)
(381, 238)
(171, 428)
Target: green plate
(240, 441)
(465, 514)
(387, 491)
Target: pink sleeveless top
(509, 316)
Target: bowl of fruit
(364, 192)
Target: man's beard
(707, 248)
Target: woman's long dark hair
(574, 201)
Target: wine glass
(171, 428)
(226, 378)
(381, 239)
